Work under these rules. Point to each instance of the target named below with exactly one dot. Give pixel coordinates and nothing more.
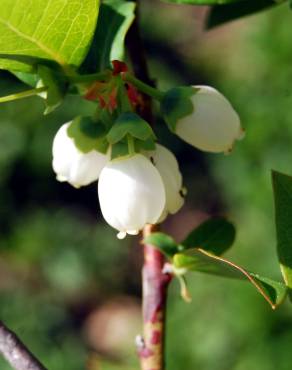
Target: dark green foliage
(114, 20)
(220, 14)
(215, 235)
(283, 211)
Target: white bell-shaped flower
(72, 165)
(213, 126)
(168, 167)
(131, 194)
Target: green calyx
(130, 134)
(177, 104)
(122, 148)
(88, 134)
(129, 123)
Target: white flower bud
(72, 165)
(131, 194)
(167, 166)
(213, 126)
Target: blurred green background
(71, 290)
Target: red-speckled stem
(155, 284)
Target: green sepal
(148, 145)
(215, 235)
(129, 123)
(177, 104)
(119, 149)
(199, 260)
(88, 134)
(56, 85)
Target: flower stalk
(143, 87)
(23, 94)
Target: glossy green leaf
(28, 64)
(220, 14)
(30, 79)
(165, 243)
(202, 261)
(215, 235)
(132, 124)
(57, 30)
(88, 134)
(282, 185)
(114, 21)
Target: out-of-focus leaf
(203, 2)
(60, 31)
(215, 235)
(114, 21)
(199, 260)
(282, 185)
(220, 14)
(163, 242)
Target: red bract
(119, 67)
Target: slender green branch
(143, 87)
(23, 94)
(101, 76)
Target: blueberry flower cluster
(139, 180)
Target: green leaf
(132, 124)
(200, 260)
(28, 63)
(114, 21)
(215, 235)
(165, 243)
(203, 2)
(177, 104)
(28, 78)
(57, 30)
(224, 13)
(88, 135)
(282, 185)
(56, 85)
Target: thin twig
(136, 53)
(15, 352)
